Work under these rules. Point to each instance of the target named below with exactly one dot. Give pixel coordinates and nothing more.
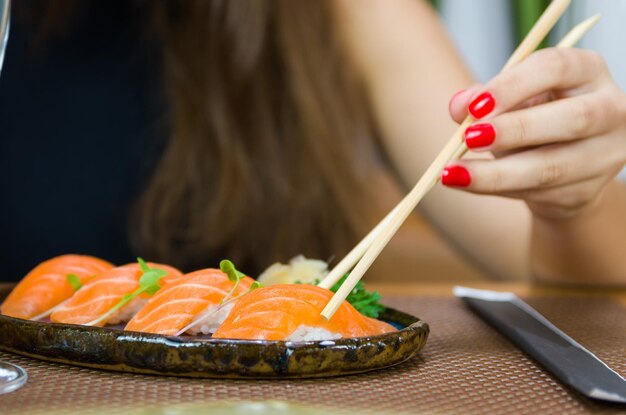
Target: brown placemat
(466, 367)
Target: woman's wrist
(585, 247)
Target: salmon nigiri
(292, 312)
(48, 285)
(114, 296)
(182, 299)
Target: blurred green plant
(525, 14)
(434, 3)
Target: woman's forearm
(588, 248)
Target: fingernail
(456, 176)
(479, 135)
(482, 105)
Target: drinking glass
(12, 377)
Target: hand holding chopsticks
(370, 247)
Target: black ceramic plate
(125, 351)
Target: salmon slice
(277, 311)
(46, 286)
(176, 304)
(102, 293)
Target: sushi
(182, 299)
(114, 296)
(291, 312)
(50, 283)
(159, 299)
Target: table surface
(466, 367)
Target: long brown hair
(271, 143)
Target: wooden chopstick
(357, 252)
(377, 239)
(576, 34)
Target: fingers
(546, 70)
(539, 168)
(556, 125)
(558, 121)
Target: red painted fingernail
(479, 135)
(482, 105)
(456, 176)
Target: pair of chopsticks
(368, 249)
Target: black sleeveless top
(80, 129)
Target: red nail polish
(482, 105)
(479, 135)
(456, 176)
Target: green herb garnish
(229, 269)
(74, 281)
(366, 302)
(235, 276)
(148, 283)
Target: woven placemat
(466, 367)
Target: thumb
(459, 102)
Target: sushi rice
(216, 316)
(127, 312)
(307, 333)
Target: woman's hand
(556, 125)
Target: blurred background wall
(482, 31)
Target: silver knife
(561, 355)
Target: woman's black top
(80, 125)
